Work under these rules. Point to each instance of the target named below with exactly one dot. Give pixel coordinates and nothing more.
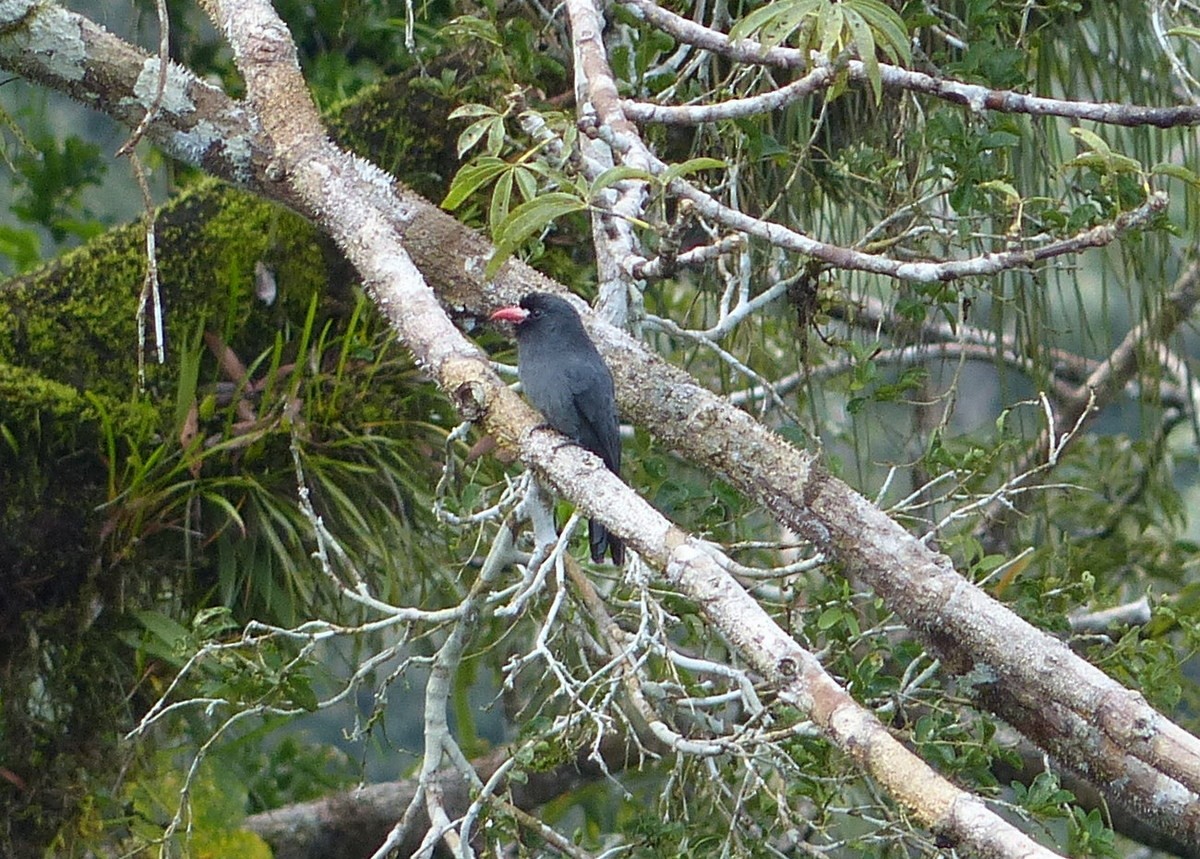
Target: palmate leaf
(526, 182)
(830, 25)
(864, 41)
(867, 26)
(471, 178)
(891, 35)
(501, 201)
(488, 121)
(774, 23)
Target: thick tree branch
(193, 120)
(355, 822)
(617, 248)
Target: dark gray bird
(567, 381)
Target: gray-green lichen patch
(55, 35)
(175, 94)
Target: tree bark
(353, 823)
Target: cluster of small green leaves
(530, 193)
(1048, 802)
(50, 178)
(217, 802)
(273, 674)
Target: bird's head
(538, 310)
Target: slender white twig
(671, 327)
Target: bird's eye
(535, 314)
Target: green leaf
(830, 24)
(220, 501)
(692, 165)
(213, 621)
(535, 215)
(1113, 162)
(495, 139)
(526, 182)
(475, 131)
(21, 246)
(889, 26)
(1091, 160)
(160, 625)
(468, 28)
(613, 175)
(773, 23)
(10, 439)
(1119, 163)
(471, 178)
(469, 111)
(527, 219)
(864, 41)
(1091, 140)
(1004, 189)
(501, 201)
(999, 140)
(299, 690)
(1177, 171)
(189, 374)
(830, 618)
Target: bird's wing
(599, 430)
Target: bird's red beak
(509, 314)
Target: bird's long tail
(601, 541)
